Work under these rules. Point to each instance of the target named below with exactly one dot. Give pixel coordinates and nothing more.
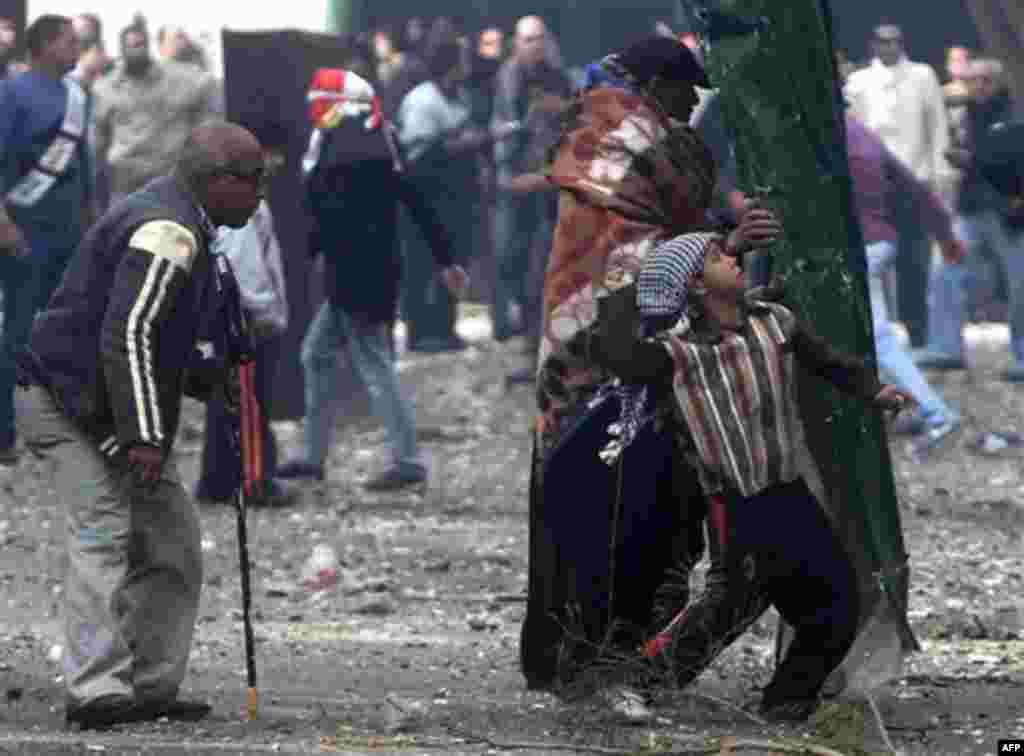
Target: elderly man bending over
(105, 373)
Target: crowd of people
(430, 155)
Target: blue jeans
(369, 350)
(947, 305)
(892, 356)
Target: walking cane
(252, 484)
(249, 447)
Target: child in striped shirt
(732, 367)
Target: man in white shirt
(902, 102)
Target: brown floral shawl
(630, 178)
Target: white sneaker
(933, 439)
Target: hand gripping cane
(249, 446)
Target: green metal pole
(346, 16)
(774, 64)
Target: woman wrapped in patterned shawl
(631, 174)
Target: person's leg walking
(1009, 243)
(539, 253)
(913, 266)
(134, 565)
(948, 300)
(372, 360)
(412, 304)
(97, 657)
(158, 601)
(427, 308)
(513, 234)
(892, 357)
(319, 363)
(532, 296)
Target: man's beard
(6, 58)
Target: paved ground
(416, 649)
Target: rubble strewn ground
(416, 647)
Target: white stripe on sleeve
(140, 325)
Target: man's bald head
(531, 40)
(223, 143)
(528, 25)
(222, 164)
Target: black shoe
(299, 469)
(395, 479)
(9, 454)
(179, 710)
(792, 710)
(105, 712)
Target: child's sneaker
(628, 705)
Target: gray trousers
(134, 564)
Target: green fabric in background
(773, 63)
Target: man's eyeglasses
(258, 178)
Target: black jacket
(354, 204)
(116, 341)
(976, 193)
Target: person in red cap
(355, 181)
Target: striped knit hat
(665, 277)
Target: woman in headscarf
(631, 174)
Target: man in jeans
(354, 185)
(878, 175)
(901, 101)
(980, 225)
